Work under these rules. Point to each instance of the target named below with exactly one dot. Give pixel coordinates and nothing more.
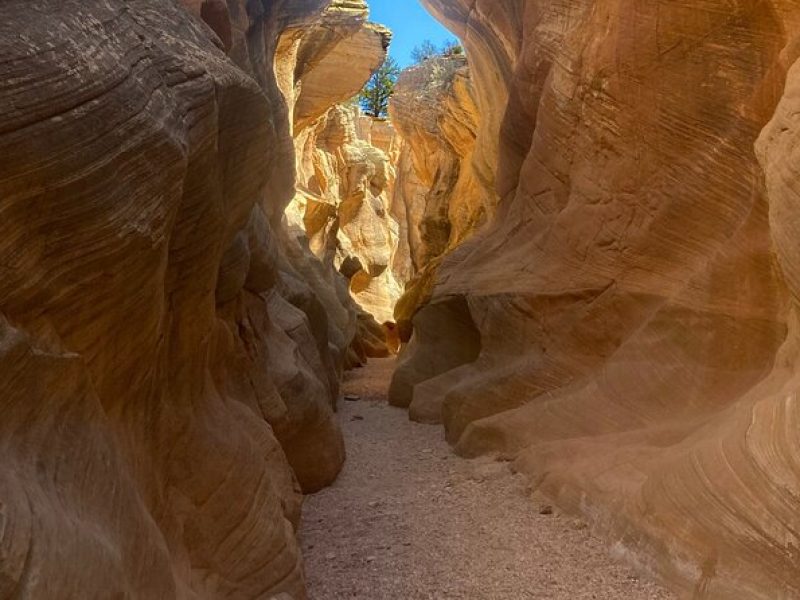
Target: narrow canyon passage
(407, 519)
(575, 222)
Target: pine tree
(375, 96)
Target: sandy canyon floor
(409, 520)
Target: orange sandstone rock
(634, 293)
(169, 353)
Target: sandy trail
(409, 520)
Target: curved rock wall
(169, 353)
(634, 298)
(342, 205)
(440, 197)
(345, 172)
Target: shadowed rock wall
(169, 354)
(634, 296)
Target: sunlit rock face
(344, 189)
(440, 198)
(332, 60)
(626, 324)
(169, 353)
(344, 182)
(335, 59)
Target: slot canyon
(534, 334)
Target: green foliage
(424, 51)
(452, 48)
(375, 96)
(428, 49)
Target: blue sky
(410, 23)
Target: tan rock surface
(169, 353)
(342, 205)
(336, 57)
(439, 198)
(637, 350)
(343, 181)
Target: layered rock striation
(625, 326)
(169, 352)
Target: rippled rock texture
(625, 327)
(169, 353)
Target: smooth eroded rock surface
(342, 205)
(440, 197)
(635, 293)
(169, 353)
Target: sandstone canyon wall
(625, 326)
(345, 173)
(169, 353)
(440, 197)
(343, 178)
(342, 204)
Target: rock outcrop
(625, 326)
(440, 197)
(344, 178)
(342, 205)
(169, 353)
(335, 59)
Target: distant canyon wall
(625, 325)
(170, 354)
(440, 197)
(345, 174)
(343, 203)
